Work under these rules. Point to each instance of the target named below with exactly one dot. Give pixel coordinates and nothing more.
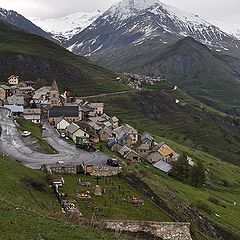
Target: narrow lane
(11, 144)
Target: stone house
(143, 149)
(97, 128)
(147, 139)
(154, 157)
(126, 134)
(20, 91)
(115, 122)
(69, 113)
(166, 151)
(105, 134)
(86, 110)
(114, 145)
(74, 131)
(16, 100)
(97, 108)
(162, 152)
(129, 154)
(5, 91)
(33, 115)
(13, 80)
(61, 123)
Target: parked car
(26, 133)
(112, 162)
(63, 135)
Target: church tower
(54, 98)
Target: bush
(204, 207)
(214, 200)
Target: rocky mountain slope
(20, 21)
(64, 28)
(199, 71)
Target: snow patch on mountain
(229, 27)
(67, 27)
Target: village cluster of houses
(89, 120)
(136, 81)
(77, 118)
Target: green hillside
(190, 123)
(35, 58)
(206, 75)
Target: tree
(198, 176)
(181, 168)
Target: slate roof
(111, 142)
(163, 166)
(144, 147)
(58, 120)
(64, 111)
(124, 150)
(115, 119)
(32, 111)
(94, 125)
(146, 136)
(18, 100)
(72, 128)
(14, 108)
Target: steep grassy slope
(190, 123)
(35, 58)
(31, 213)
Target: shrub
(204, 207)
(214, 200)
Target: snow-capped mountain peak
(128, 8)
(131, 8)
(134, 22)
(66, 27)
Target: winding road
(12, 144)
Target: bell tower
(54, 98)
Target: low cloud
(213, 9)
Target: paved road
(107, 94)
(11, 144)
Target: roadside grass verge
(36, 130)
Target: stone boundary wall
(164, 230)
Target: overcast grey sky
(209, 9)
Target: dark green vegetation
(35, 58)
(184, 172)
(36, 132)
(190, 122)
(209, 77)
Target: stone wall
(168, 231)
